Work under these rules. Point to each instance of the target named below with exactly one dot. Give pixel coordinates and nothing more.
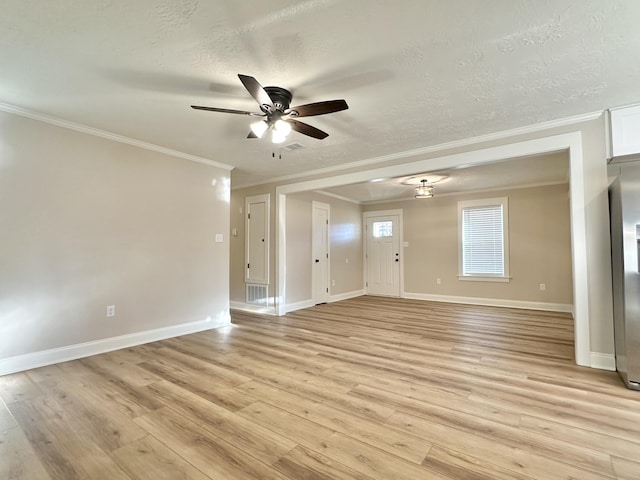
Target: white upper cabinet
(625, 131)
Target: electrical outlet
(111, 310)
(543, 287)
(438, 281)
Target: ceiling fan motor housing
(280, 97)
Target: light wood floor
(368, 388)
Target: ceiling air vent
(292, 147)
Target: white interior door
(257, 239)
(320, 252)
(382, 252)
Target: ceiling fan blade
(319, 108)
(226, 110)
(256, 90)
(252, 135)
(307, 129)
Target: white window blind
(483, 239)
(483, 245)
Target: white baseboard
(492, 302)
(292, 307)
(603, 361)
(345, 296)
(42, 358)
(248, 307)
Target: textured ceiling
(414, 73)
(520, 172)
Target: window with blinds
(483, 239)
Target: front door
(383, 254)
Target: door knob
(317, 261)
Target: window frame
(384, 230)
(485, 202)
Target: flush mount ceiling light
(416, 179)
(424, 190)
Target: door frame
(365, 266)
(327, 208)
(580, 193)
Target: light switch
(219, 238)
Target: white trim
(292, 307)
(42, 358)
(346, 296)
(578, 204)
(492, 302)
(247, 307)
(562, 122)
(338, 197)
(571, 142)
(477, 278)
(110, 136)
(603, 361)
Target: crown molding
(338, 197)
(23, 112)
(563, 122)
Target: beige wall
(346, 247)
(87, 222)
(345, 244)
(237, 247)
(299, 251)
(540, 246)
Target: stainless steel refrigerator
(624, 206)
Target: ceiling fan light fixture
(277, 136)
(282, 127)
(424, 190)
(258, 128)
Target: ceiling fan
(278, 116)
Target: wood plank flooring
(370, 388)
